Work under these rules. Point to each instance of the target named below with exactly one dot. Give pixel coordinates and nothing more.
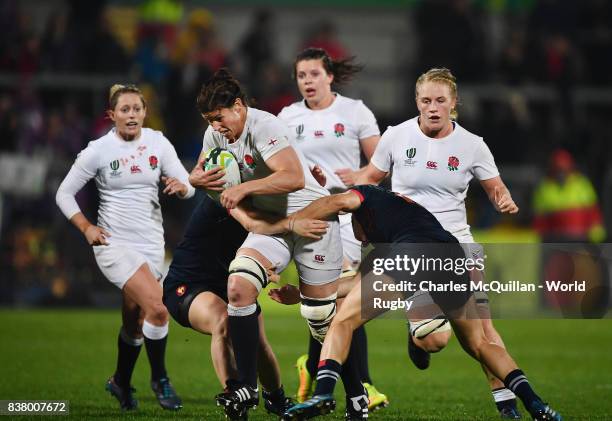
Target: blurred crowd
(169, 47)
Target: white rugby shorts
(119, 262)
(318, 262)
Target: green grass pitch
(68, 354)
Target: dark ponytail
(343, 70)
(220, 91)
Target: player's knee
(421, 329)
(247, 278)
(157, 314)
(318, 313)
(238, 292)
(435, 342)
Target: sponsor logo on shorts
(432, 165)
(339, 129)
(299, 131)
(114, 166)
(319, 258)
(319, 133)
(181, 290)
(410, 154)
(153, 162)
(135, 169)
(453, 163)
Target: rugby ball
(219, 157)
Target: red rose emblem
(153, 162)
(339, 129)
(453, 163)
(249, 161)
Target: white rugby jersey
(330, 137)
(264, 135)
(127, 174)
(435, 172)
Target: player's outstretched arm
(264, 223)
(499, 195)
(329, 206)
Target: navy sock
(361, 340)
(327, 376)
(126, 360)
(156, 351)
(244, 332)
(517, 382)
(350, 373)
(314, 353)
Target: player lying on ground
(383, 217)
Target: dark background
(533, 76)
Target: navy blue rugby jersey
(208, 246)
(389, 218)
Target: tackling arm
(328, 206)
(265, 223)
(259, 222)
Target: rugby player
(433, 159)
(276, 180)
(128, 240)
(333, 131)
(383, 217)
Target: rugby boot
(540, 411)
(376, 400)
(510, 413)
(315, 406)
(236, 401)
(418, 355)
(166, 395)
(306, 384)
(232, 412)
(356, 408)
(125, 395)
(277, 405)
